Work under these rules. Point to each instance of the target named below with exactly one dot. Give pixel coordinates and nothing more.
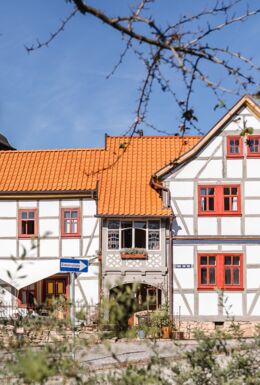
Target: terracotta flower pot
(166, 332)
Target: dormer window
(234, 147)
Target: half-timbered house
(178, 215)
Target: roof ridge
(52, 150)
(154, 136)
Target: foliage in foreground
(224, 358)
(48, 349)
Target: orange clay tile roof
(123, 174)
(49, 170)
(124, 188)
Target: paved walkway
(108, 354)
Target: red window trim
(219, 201)
(26, 236)
(70, 235)
(249, 153)
(220, 272)
(235, 156)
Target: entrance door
(54, 288)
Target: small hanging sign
(183, 266)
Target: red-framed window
(220, 271)
(70, 222)
(234, 147)
(27, 296)
(219, 200)
(253, 146)
(28, 223)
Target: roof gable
(245, 101)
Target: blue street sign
(74, 265)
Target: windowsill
(235, 156)
(220, 215)
(253, 156)
(227, 288)
(27, 236)
(64, 236)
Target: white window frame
(133, 233)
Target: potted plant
(166, 326)
(134, 253)
(161, 323)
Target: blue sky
(59, 97)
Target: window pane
(126, 225)
(153, 240)
(126, 238)
(234, 203)
(113, 224)
(212, 279)
(50, 288)
(74, 214)
(234, 190)
(24, 227)
(227, 260)
(226, 204)
(113, 240)
(24, 215)
(60, 288)
(140, 238)
(203, 260)
(74, 226)
(211, 191)
(212, 260)
(140, 225)
(203, 277)
(66, 214)
(203, 191)
(236, 276)
(226, 190)
(30, 227)
(236, 261)
(227, 276)
(31, 215)
(211, 204)
(203, 204)
(154, 225)
(67, 226)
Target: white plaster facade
(217, 234)
(42, 261)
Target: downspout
(159, 186)
(170, 269)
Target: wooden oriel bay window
(219, 200)
(234, 147)
(28, 223)
(134, 234)
(70, 222)
(220, 271)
